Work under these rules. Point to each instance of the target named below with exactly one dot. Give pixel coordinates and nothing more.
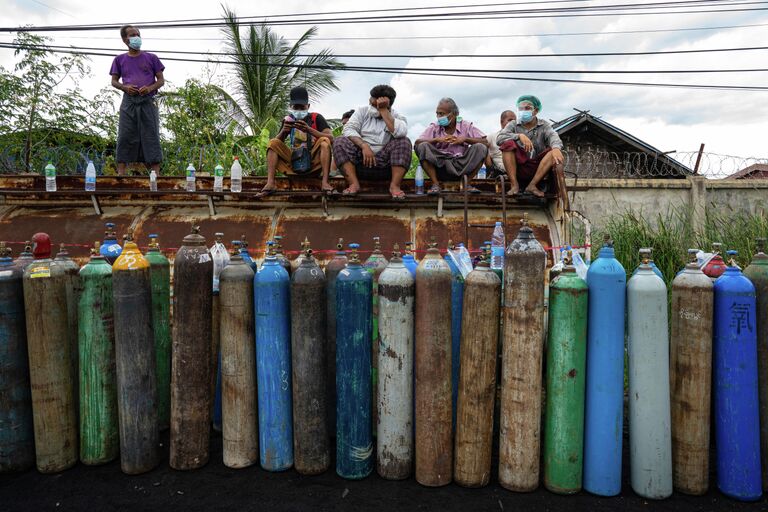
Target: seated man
(450, 149)
(344, 120)
(376, 137)
(530, 147)
(308, 150)
(493, 162)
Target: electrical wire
(452, 74)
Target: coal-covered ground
(216, 487)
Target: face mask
(299, 114)
(525, 115)
(134, 42)
(443, 121)
(374, 111)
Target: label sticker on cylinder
(37, 272)
(6, 273)
(432, 264)
(204, 258)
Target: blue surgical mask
(525, 115)
(299, 114)
(443, 121)
(134, 42)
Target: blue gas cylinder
(734, 385)
(408, 260)
(246, 255)
(604, 408)
(457, 301)
(110, 249)
(354, 437)
(271, 295)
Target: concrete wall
(598, 199)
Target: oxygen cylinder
(375, 265)
(477, 384)
(566, 380)
(110, 248)
(238, 359)
(457, 301)
(408, 260)
(191, 367)
(220, 259)
(332, 269)
(99, 437)
(735, 386)
(50, 363)
(63, 264)
(354, 442)
(522, 352)
(160, 278)
(25, 257)
(715, 267)
(17, 448)
(434, 453)
(650, 437)
(651, 263)
(285, 262)
(272, 302)
(604, 405)
(246, 255)
(757, 272)
(135, 357)
(310, 434)
(690, 369)
(394, 429)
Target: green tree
(266, 67)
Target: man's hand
(557, 156)
(301, 126)
(144, 90)
(369, 158)
(526, 142)
(382, 103)
(452, 139)
(132, 90)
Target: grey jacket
(542, 135)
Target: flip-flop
(398, 195)
(349, 193)
(434, 190)
(265, 193)
(328, 191)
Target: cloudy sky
(728, 122)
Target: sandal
(434, 190)
(349, 192)
(399, 195)
(266, 192)
(328, 191)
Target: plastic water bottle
(481, 174)
(497, 247)
(50, 178)
(190, 178)
(218, 178)
(153, 181)
(90, 177)
(236, 176)
(419, 181)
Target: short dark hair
(124, 30)
(384, 90)
(507, 112)
(347, 114)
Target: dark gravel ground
(216, 487)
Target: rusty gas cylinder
(522, 353)
(477, 376)
(332, 269)
(238, 363)
(191, 366)
(135, 357)
(50, 362)
(434, 429)
(311, 447)
(71, 275)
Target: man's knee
(480, 149)
(400, 152)
(421, 150)
(273, 144)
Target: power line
(452, 73)
(416, 56)
(462, 16)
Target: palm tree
(267, 67)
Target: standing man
(308, 149)
(138, 129)
(450, 149)
(375, 137)
(494, 162)
(530, 147)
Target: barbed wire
(583, 163)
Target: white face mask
(374, 111)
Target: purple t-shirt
(139, 70)
(463, 129)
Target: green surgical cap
(533, 100)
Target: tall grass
(671, 234)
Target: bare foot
(514, 189)
(532, 189)
(396, 193)
(268, 189)
(327, 188)
(351, 190)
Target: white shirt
(494, 151)
(372, 129)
